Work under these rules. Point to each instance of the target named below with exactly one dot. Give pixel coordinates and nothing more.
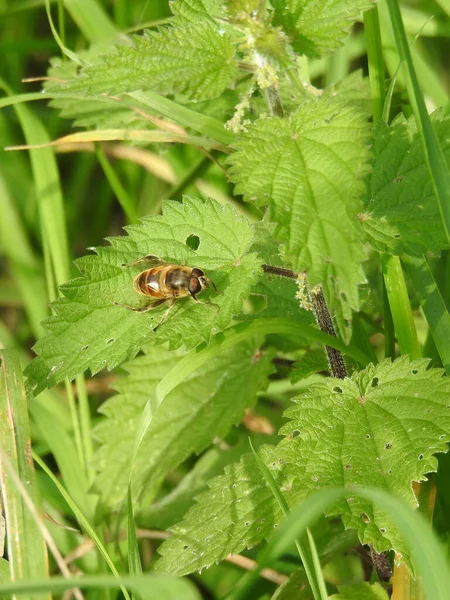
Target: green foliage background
(226, 136)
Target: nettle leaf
(312, 362)
(361, 591)
(318, 27)
(89, 331)
(203, 407)
(171, 508)
(237, 512)
(308, 169)
(401, 212)
(196, 59)
(191, 11)
(381, 428)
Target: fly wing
(150, 260)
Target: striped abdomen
(167, 281)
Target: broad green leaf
(308, 169)
(318, 27)
(401, 213)
(361, 591)
(380, 427)
(237, 512)
(196, 59)
(89, 331)
(171, 508)
(202, 407)
(312, 362)
(191, 11)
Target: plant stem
(323, 318)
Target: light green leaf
(202, 407)
(89, 331)
(361, 591)
(308, 169)
(401, 212)
(191, 11)
(312, 362)
(171, 508)
(195, 59)
(237, 512)
(318, 27)
(380, 427)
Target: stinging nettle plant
(323, 199)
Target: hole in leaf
(382, 530)
(84, 348)
(441, 437)
(420, 457)
(193, 241)
(185, 547)
(368, 436)
(375, 381)
(348, 467)
(338, 389)
(295, 433)
(365, 518)
(388, 446)
(414, 371)
(396, 235)
(110, 340)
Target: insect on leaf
(90, 331)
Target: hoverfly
(164, 282)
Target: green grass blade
(26, 548)
(92, 20)
(376, 61)
(22, 262)
(64, 451)
(71, 55)
(150, 587)
(434, 156)
(82, 520)
(433, 305)
(48, 190)
(120, 192)
(397, 294)
(429, 559)
(312, 566)
(207, 126)
(204, 124)
(134, 559)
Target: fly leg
(206, 303)
(166, 313)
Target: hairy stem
(323, 318)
